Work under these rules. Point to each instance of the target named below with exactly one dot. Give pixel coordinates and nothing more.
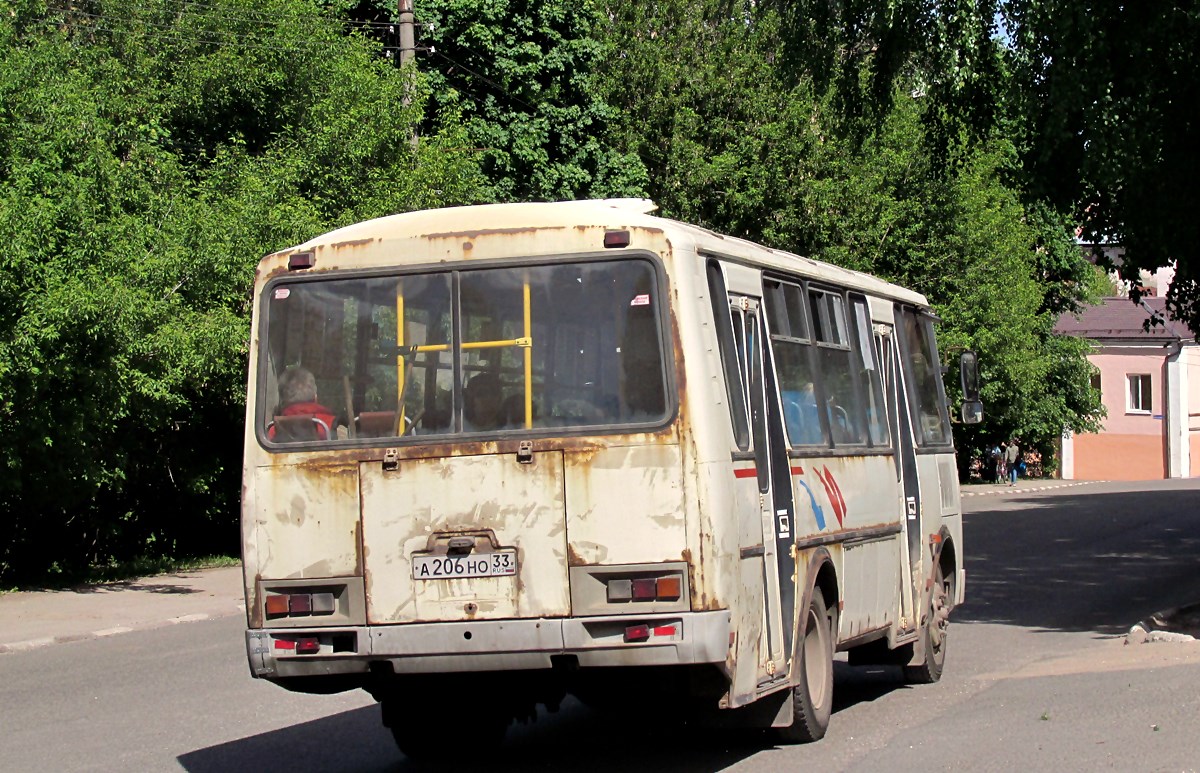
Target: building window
(1096, 384)
(1139, 394)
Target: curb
(34, 619)
(1023, 490)
(32, 644)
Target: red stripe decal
(797, 470)
(745, 472)
(835, 494)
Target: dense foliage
(909, 189)
(1107, 92)
(152, 150)
(149, 153)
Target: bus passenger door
(906, 470)
(775, 504)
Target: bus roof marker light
(616, 239)
(298, 261)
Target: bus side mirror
(968, 371)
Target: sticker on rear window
(640, 300)
(281, 293)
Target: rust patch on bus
(351, 243)
(490, 232)
(573, 558)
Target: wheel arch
(821, 575)
(946, 557)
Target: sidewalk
(1024, 486)
(37, 618)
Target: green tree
(734, 141)
(519, 73)
(149, 154)
(1108, 93)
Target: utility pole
(408, 50)
(408, 43)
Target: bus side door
(776, 510)
(906, 469)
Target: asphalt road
(1038, 677)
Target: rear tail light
(277, 605)
(308, 645)
(637, 633)
(645, 589)
(644, 632)
(641, 589)
(620, 590)
(284, 603)
(669, 588)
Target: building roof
(1119, 319)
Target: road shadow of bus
(576, 738)
(1088, 562)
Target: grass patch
(118, 571)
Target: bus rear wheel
(937, 624)
(812, 698)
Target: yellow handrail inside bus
(400, 363)
(528, 347)
(403, 353)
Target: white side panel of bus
(857, 492)
(424, 502)
(306, 522)
(625, 505)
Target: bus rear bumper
(491, 645)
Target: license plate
(502, 563)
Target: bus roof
(479, 220)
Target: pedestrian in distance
(1011, 456)
(996, 463)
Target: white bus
(500, 454)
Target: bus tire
(812, 697)
(934, 630)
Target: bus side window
(840, 368)
(877, 423)
(641, 356)
(731, 347)
(924, 378)
(792, 347)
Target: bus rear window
(486, 351)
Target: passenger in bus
(298, 397)
(483, 403)
(801, 416)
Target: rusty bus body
(717, 464)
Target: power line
(484, 78)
